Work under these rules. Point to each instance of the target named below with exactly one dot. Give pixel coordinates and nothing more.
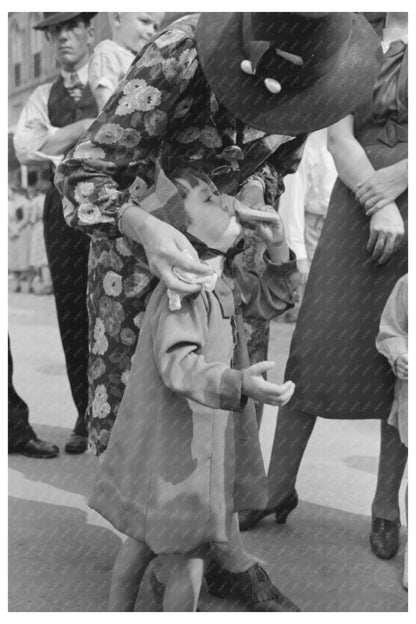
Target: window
(37, 42)
(37, 66)
(17, 74)
(17, 46)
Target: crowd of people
(193, 201)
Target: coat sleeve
(114, 161)
(392, 337)
(178, 341)
(268, 295)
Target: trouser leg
(293, 431)
(392, 462)
(67, 251)
(20, 431)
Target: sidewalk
(61, 552)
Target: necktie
(75, 87)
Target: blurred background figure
(19, 232)
(112, 57)
(40, 276)
(304, 205)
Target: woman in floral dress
(164, 100)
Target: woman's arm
(353, 166)
(383, 187)
(105, 177)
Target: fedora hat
(325, 63)
(51, 19)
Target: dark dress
(333, 360)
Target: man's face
(212, 216)
(136, 29)
(72, 41)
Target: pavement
(61, 552)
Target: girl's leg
(129, 568)
(392, 462)
(293, 431)
(184, 584)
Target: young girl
(392, 343)
(184, 453)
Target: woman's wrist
(132, 220)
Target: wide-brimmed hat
(51, 19)
(326, 64)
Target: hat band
(310, 71)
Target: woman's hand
(402, 366)
(257, 388)
(164, 246)
(382, 187)
(386, 233)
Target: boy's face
(136, 29)
(212, 216)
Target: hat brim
(220, 51)
(59, 18)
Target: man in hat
(52, 120)
(232, 93)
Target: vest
(64, 110)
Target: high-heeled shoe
(250, 518)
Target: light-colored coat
(184, 452)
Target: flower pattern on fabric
(163, 104)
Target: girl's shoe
(249, 519)
(253, 586)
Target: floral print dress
(163, 106)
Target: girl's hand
(257, 388)
(386, 233)
(164, 246)
(383, 187)
(252, 195)
(272, 233)
(402, 366)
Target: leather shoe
(76, 444)
(384, 538)
(249, 519)
(36, 448)
(253, 586)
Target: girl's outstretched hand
(257, 388)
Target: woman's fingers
(372, 239)
(171, 281)
(186, 259)
(388, 249)
(380, 204)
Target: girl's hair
(183, 170)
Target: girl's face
(212, 216)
